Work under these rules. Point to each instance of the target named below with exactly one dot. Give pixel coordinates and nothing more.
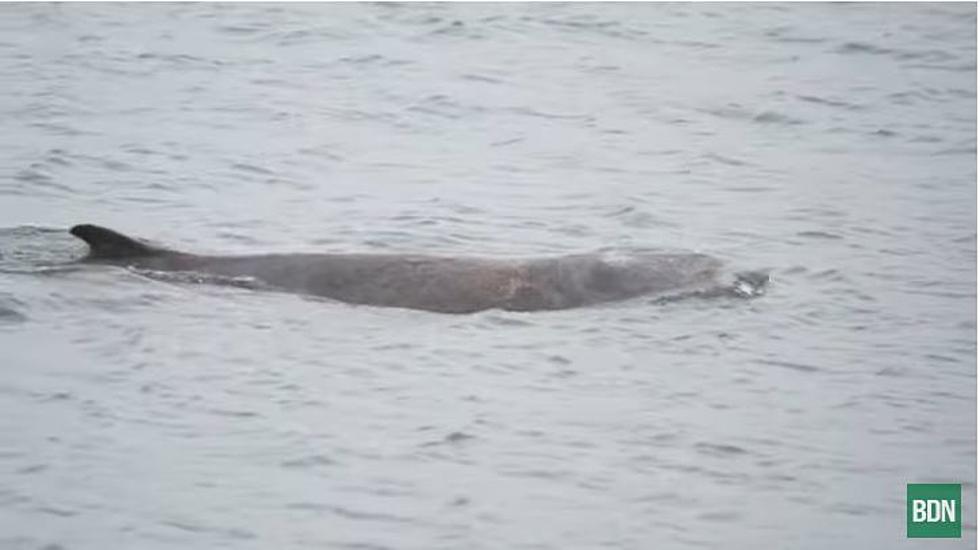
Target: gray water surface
(833, 145)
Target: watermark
(933, 510)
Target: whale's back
(442, 284)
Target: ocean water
(832, 145)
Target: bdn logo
(933, 510)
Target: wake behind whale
(435, 283)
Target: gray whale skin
(431, 283)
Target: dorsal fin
(106, 243)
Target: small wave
(799, 40)
(737, 112)
(497, 318)
(362, 515)
(60, 130)
(28, 231)
(774, 117)
(194, 277)
(252, 168)
(799, 367)
(956, 68)
(306, 462)
(241, 30)
(830, 102)
(745, 284)
(819, 235)
(458, 28)
(925, 59)
(751, 283)
(35, 250)
(862, 47)
(374, 60)
(729, 161)
(541, 114)
(454, 438)
(11, 316)
(443, 106)
(473, 77)
(720, 449)
(580, 24)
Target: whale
(443, 284)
